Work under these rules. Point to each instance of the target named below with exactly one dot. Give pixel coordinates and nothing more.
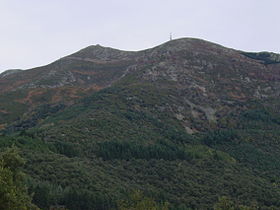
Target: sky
(38, 32)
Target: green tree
(226, 203)
(13, 193)
(137, 201)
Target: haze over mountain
(186, 122)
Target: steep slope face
(74, 70)
(202, 82)
(207, 80)
(94, 65)
(63, 81)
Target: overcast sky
(37, 32)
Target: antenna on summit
(170, 36)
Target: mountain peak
(194, 45)
(101, 53)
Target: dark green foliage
(261, 115)
(137, 201)
(86, 200)
(24, 140)
(117, 138)
(226, 203)
(45, 195)
(41, 112)
(220, 137)
(13, 192)
(13, 109)
(91, 154)
(126, 151)
(68, 149)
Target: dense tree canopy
(13, 192)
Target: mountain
(186, 122)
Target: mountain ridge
(99, 54)
(193, 66)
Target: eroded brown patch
(238, 96)
(31, 94)
(68, 94)
(4, 111)
(3, 126)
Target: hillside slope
(186, 122)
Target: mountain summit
(99, 53)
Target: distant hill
(188, 122)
